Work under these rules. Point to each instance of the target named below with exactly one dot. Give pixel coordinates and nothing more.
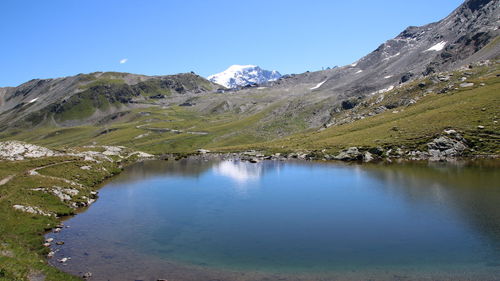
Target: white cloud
(122, 61)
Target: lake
(272, 220)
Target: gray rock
(350, 154)
(465, 85)
(379, 151)
(203, 151)
(443, 147)
(253, 160)
(63, 260)
(368, 157)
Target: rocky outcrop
(17, 150)
(356, 154)
(445, 147)
(64, 194)
(350, 154)
(32, 210)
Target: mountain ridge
(467, 38)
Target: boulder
(444, 147)
(350, 154)
(63, 260)
(406, 77)
(450, 132)
(203, 151)
(376, 150)
(367, 157)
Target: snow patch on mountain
(438, 47)
(391, 57)
(318, 85)
(242, 75)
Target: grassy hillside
(462, 109)
(413, 114)
(22, 254)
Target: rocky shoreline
(448, 146)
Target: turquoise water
(232, 220)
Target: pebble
(63, 260)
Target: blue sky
(46, 39)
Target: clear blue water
(232, 220)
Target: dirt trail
(6, 179)
(33, 172)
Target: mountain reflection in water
(234, 220)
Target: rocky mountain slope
(91, 98)
(243, 75)
(456, 40)
(468, 35)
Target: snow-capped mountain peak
(243, 75)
